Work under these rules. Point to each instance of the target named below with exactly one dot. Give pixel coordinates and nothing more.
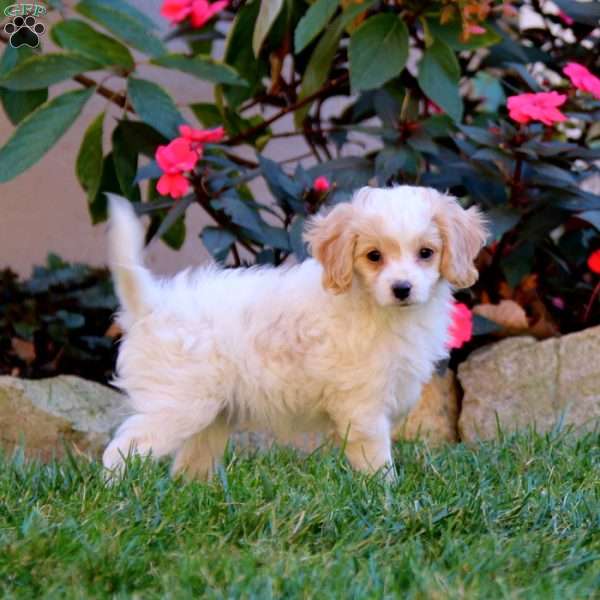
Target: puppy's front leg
(368, 445)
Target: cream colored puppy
(342, 342)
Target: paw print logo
(24, 31)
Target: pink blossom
(582, 79)
(508, 10)
(176, 10)
(558, 302)
(593, 262)
(203, 11)
(176, 157)
(202, 135)
(542, 106)
(473, 29)
(321, 184)
(565, 18)
(173, 184)
(461, 328)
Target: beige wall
(44, 209)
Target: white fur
(212, 350)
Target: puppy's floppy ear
(331, 241)
(463, 233)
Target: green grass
(516, 519)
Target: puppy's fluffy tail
(134, 284)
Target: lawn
(515, 519)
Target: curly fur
(320, 346)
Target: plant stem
(590, 304)
(244, 135)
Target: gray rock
(45, 414)
(520, 382)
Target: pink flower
(321, 184)
(202, 135)
(176, 157)
(173, 184)
(582, 79)
(176, 10)
(537, 107)
(508, 10)
(565, 18)
(473, 29)
(593, 262)
(461, 328)
(203, 11)
(558, 302)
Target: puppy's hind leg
(157, 433)
(202, 453)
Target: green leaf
(122, 23)
(70, 319)
(154, 106)
(38, 132)
(581, 12)
(109, 184)
(590, 216)
(203, 67)
(480, 135)
(267, 13)
(238, 56)
(207, 113)
(149, 171)
(490, 90)
(172, 224)
(313, 22)
(276, 237)
(18, 105)
(392, 161)
(130, 10)
(242, 213)
(381, 40)
(450, 34)
(501, 219)
(483, 326)
(321, 59)
(88, 166)
(142, 137)
(319, 65)
(217, 241)
(125, 158)
(518, 263)
(174, 237)
(297, 242)
(286, 190)
(348, 173)
(80, 37)
(439, 75)
(42, 70)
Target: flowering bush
(495, 101)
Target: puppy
(341, 343)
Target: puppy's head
(397, 243)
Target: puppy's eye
(425, 253)
(374, 256)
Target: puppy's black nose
(401, 289)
